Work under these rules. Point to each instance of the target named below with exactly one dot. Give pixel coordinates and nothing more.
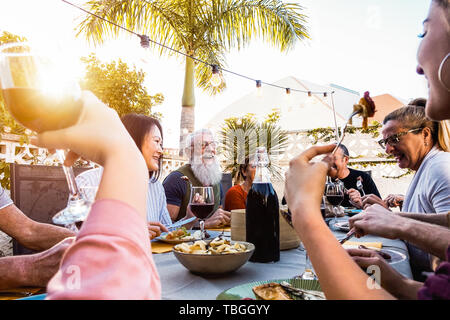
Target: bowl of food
(214, 257)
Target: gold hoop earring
(440, 72)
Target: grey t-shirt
(5, 200)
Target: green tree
(119, 87)
(204, 29)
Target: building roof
(384, 104)
(298, 112)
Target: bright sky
(359, 44)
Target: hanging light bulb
(145, 41)
(215, 78)
(310, 99)
(258, 88)
(145, 44)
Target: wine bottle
(262, 213)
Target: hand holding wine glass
(40, 95)
(201, 204)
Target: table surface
(178, 283)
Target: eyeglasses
(205, 144)
(395, 138)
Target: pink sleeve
(110, 259)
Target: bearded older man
(203, 169)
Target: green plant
(328, 134)
(239, 138)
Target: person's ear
(426, 133)
(346, 158)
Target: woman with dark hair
(148, 135)
(236, 197)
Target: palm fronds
(239, 138)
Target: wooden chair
(39, 192)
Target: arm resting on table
(29, 233)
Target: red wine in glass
(202, 210)
(335, 200)
(201, 203)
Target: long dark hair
(138, 126)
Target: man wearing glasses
(204, 170)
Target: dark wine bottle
(262, 214)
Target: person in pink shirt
(111, 255)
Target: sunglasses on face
(395, 138)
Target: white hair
(189, 142)
(208, 174)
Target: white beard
(208, 175)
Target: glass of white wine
(40, 94)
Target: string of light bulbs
(215, 78)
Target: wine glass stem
(335, 214)
(202, 228)
(70, 177)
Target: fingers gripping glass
(41, 96)
(395, 138)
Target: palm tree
(239, 138)
(203, 29)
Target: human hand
(376, 220)
(97, 134)
(305, 181)
(42, 266)
(155, 229)
(389, 278)
(220, 218)
(371, 199)
(355, 197)
(394, 200)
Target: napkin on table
(370, 245)
(161, 247)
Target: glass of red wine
(201, 203)
(334, 191)
(41, 95)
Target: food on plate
(302, 293)
(271, 291)
(216, 246)
(179, 234)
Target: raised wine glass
(201, 203)
(40, 94)
(334, 191)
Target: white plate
(162, 237)
(343, 226)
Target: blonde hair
(444, 135)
